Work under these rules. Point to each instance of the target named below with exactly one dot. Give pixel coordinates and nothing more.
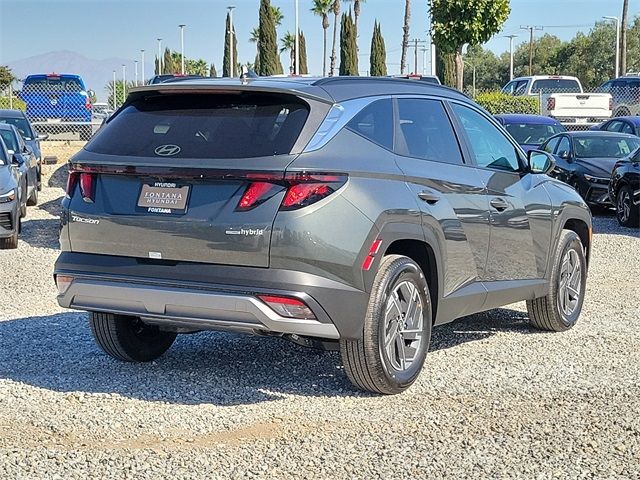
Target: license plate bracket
(164, 198)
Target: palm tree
(322, 9)
(336, 13)
(356, 12)
(405, 35)
(277, 15)
(255, 35)
(289, 45)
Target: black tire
(545, 312)
(85, 132)
(32, 201)
(627, 213)
(9, 243)
(366, 362)
(39, 177)
(128, 338)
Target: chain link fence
(63, 109)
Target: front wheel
(397, 330)
(128, 338)
(627, 213)
(559, 310)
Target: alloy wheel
(404, 326)
(623, 206)
(570, 283)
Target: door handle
(499, 204)
(429, 197)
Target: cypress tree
(228, 35)
(378, 58)
(167, 62)
(212, 71)
(269, 59)
(302, 44)
(348, 48)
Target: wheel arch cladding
(581, 228)
(422, 253)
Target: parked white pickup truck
(563, 98)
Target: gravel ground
(496, 399)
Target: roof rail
(353, 79)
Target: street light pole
(617, 20)
(124, 81)
(159, 72)
(114, 92)
(510, 37)
(182, 47)
(142, 60)
(297, 42)
(135, 69)
(231, 38)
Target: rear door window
(375, 122)
(626, 128)
(221, 126)
(426, 131)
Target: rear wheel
(33, 198)
(628, 214)
(560, 309)
(397, 330)
(128, 338)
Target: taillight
(87, 103)
(288, 306)
(551, 103)
(302, 189)
(87, 187)
(72, 181)
(308, 188)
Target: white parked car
(563, 98)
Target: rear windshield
(532, 134)
(557, 85)
(55, 84)
(204, 126)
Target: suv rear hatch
(187, 177)
(53, 97)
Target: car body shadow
(57, 352)
(41, 233)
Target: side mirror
(11, 152)
(16, 160)
(540, 162)
(42, 136)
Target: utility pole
(114, 92)
(416, 42)
(135, 70)
(142, 63)
(124, 82)
(510, 37)
(617, 20)
(159, 56)
(531, 29)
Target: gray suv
(344, 213)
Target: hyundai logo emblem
(167, 150)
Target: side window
(564, 147)
(488, 144)
(613, 126)
(375, 122)
(509, 88)
(551, 145)
(626, 128)
(521, 87)
(427, 131)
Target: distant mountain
(95, 73)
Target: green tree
(378, 56)
(348, 50)
(336, 13)
(357, 5)
(6, 76)
(268, 42)
(229, 36)
(302, 43)
(472, 22)
(196, 67)
(545, 53)
(288, 44)
(212, 71)
(405, 35)
(322, 9)
(111, 88)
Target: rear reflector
(287, 306)
(371, 256)
(63, 282)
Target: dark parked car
(58, 102)
(26, 161)
(585, 160)
(624, 189)
(530, 131)
(352, 213)
(630, 125)
(10, 199)
(19, 120)
(625, 92)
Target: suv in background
(625, 92)
(58, 103)
(350, 213)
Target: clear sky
(115, 28)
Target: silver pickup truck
(563, 98)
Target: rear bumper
(204, 296)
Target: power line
(531, 29)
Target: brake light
(72, 181)
(288, 306)
(87, 103)
(551, 103)
(255, 194)
(87, 187)
(308, 188)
